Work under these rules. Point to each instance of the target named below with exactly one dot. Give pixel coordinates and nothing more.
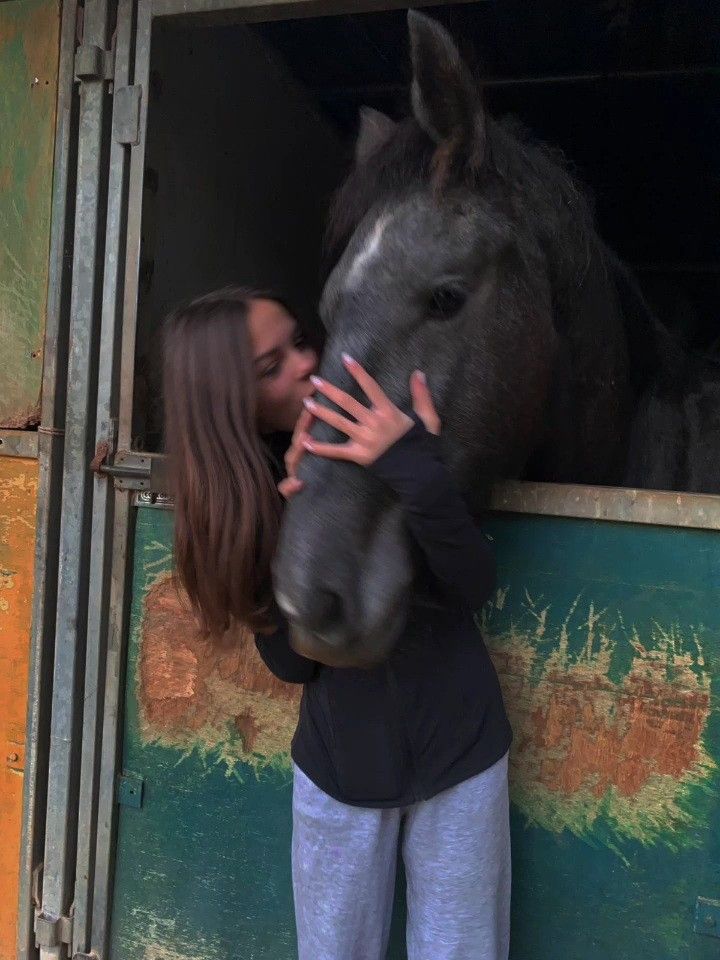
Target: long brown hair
(227, 510)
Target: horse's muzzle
(343, 571)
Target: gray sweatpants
(456, 850)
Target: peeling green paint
(28, 90)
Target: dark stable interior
(251, 128)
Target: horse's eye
(446, 301)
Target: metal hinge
(707, 917)
(94, 63)
(52, 931)
(126, 115)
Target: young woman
(412, 752)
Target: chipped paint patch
(163, 940)
(615, 755)
(195, 693)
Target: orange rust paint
(580, 730)
(18, 496)
(587, 746)
(194, 691)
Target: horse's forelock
(399, 166)
(534, 176)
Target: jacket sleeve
(280, 658)
(458, 554)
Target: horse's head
(439, 271)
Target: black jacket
(432, 715)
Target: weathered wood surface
(607, 641)
(18, 496)
(29, 31)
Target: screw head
(12, 758)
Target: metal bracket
(126, 115)
(130, 790)
(130, 471)
(52, 931)
(707, 917)
(135, 471)
(94, 63)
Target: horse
(461, 247)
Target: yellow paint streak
(18, 498)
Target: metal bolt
(13, 758)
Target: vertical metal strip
(134, 229)
(111, 754)
(103, 506)
(61, 822)
(50, 456)
(118, 606)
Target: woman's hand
(374, 429)
(292, 483)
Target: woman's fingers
(289, 487)
(349, 427)
(352, 451)
(343, 400)
(422, 402)
(296, 450)
(303, 423)
(371, 388)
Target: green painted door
(607, 640)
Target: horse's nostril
(325, 614)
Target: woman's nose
(308, 361)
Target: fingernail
(308, 444)
(309, 403)
(347, 358)
(316, 381)
(421, 376)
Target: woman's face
(284, 364)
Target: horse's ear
(446, 101)
(375, 130)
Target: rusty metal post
(53, 922)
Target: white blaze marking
(368, 252)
